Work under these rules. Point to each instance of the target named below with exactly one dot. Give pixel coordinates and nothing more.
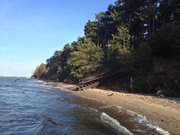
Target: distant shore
(162, 112)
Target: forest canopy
(138, 37)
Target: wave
(143, 120)
(114, 124)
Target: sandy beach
(162, 112)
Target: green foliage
(40, 71)
(85, 58)
(53, 65)
(57, 64)
(100, 31)
(91, 31)
(119, 49)
(121, 41)
(166, 41)
(127, 37)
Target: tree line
(140, 38)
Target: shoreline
(162, 112)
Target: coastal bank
(162, 112)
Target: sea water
(27, 107)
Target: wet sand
(162, 112)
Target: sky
(31, 30)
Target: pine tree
(85, 58)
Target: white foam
(93, 109)
(38, 81)
(114, 124)
(158, 129)
(143, 120)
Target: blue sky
(31, 30)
